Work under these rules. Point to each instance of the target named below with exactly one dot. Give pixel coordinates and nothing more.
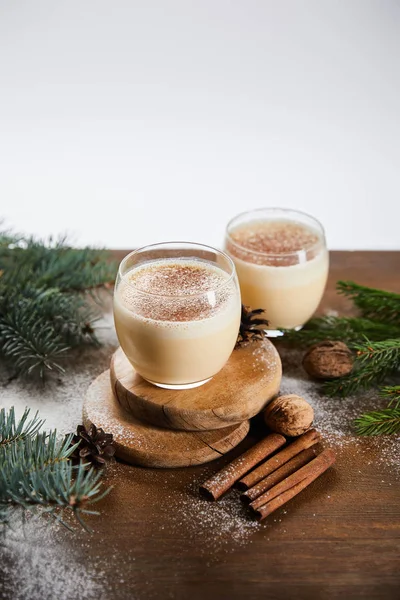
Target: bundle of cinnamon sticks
(269, 478)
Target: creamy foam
(175, 290)
(177, 277)
(272, 242)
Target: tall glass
(282, 263)
(177, 312)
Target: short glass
(282, 263)
(177, 312)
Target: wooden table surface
(339, 538)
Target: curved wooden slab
(249, 380)
(143, 444)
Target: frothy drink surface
(175, 290)
(254, 241)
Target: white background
(136, 121)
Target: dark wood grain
(340, 538)
(147, 445)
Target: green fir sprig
(374, 304)
(374, 336)
(384, 421)
(48, 295)
(11, 431)
(374, 362)
(351, 330)
(392, 392)
(36, 473)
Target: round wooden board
(249, 380)
(149, 446)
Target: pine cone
(95, 446)
(249, 325)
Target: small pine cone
(95, 446)
(250, 323)
(328, 360)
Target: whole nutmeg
(328, 360)
(289, 415)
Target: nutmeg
(289, 415)
(328, 360)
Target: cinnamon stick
(303, 442)
(222, 481)
(284, 471)
(291, 486)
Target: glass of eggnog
(177, 312)
(282, 263)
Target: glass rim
(321, 242)
(137, 251)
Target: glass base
(273, 333)
(183, 386)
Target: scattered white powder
(36, 564)
(36, 561)
(265, 362)
(60, 399)
(217, 523)
(46, 562)
(334, 417)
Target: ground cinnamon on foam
(172, 290)
(172, 278)
(271, 238)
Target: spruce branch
(11, 431)
(351, 330)
(46, 300)
(36, 472)
(380, 422)
(55, 263)
(374, 362)
(54, 490)
(375, 337)
(36, 452)
(379, 305)
(30, 342)
(392, 392)
(385, 421)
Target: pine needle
(392, 392)
(375, 337)
(47, 294)
(374, 304)
(351, 330)
(36, 473)
(379, 422)
(13, 431)
(374, 362)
